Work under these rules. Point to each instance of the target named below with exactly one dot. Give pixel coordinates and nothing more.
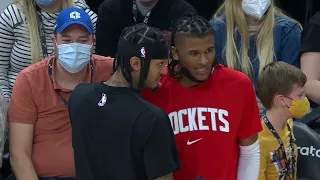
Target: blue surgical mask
(45, 2)
(74, 56)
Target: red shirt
(208, 121)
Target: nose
(203, 60)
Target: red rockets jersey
(208, 121)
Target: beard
(186, 72)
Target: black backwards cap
(146, 51)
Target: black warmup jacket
(115, 15)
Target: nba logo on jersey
(143, 52)
(75, 15)
(103, 100)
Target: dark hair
(190, 26)
(137, 34)
(278, 77)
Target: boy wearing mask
(282, 91)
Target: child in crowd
(281, 88)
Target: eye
(163, 64)
(193, 53)
(65, 41)
(210, 50)
(83, 41)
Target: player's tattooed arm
(166, 177)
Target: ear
(175, 54)
(54, 43)
(94, 39)
(279, 100)
(135, 63)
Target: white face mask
(255, 8)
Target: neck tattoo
(117, 81)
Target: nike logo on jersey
(192, 142)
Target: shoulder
(103, 68)
(114, 5)
(81, 4)
(12, 8)
(151, 108)
(218, 22)
(233, 77)
(102, 62)
(286, 24)
(80, 92)
(180, 8)
(12, 14)
(315, 20)
(98, 58)
(29, 79)
(79, 99)
(81, 96)
(37, 68)
(181, 4)
(264, 135)
(151, 114)
(219, 25)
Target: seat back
(308, 143)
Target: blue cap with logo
(72, 16)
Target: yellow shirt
(270, 153)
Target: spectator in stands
(310, 58)
(40, 129)
(3, 123)
(26, 27)
(282, 91)
(216, 139)
(250, 34)
(115, 15)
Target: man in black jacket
(115, 15)
(310, 55)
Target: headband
(145, 50)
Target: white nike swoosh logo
(192, 142)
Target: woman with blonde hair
(26, 29)
(252, 33)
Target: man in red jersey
(213, 109)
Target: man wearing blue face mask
(40, 129)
